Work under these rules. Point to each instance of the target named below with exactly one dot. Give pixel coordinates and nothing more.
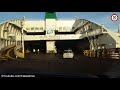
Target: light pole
(22, 36)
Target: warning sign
(114, 17)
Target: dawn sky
(98, 17)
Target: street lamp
(22, 36)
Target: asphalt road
(41, 63)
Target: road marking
(8, 55)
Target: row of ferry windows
(34, 28)
(64, 28)
(41, 28)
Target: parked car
(68, 54)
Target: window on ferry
(32, 28)
(36, 28)
(73, 27)
(60, 28)
(64, 28)
(27, 28)
(41, 28)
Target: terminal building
(52, 34)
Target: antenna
(102, 25)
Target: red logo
(114, 17)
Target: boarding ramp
(95, 33)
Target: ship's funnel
(50, 15)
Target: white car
(68, 54)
